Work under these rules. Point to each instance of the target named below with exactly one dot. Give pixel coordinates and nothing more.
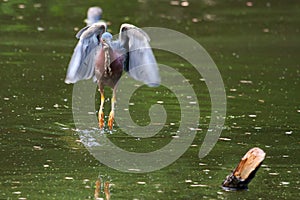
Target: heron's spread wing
(82, 63)
(141, 64)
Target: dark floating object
(245, 171)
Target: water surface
(256, 48)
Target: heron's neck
(107, 69)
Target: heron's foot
(111, 119)
(101, 119)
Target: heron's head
(106, 38)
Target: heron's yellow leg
(100, 113)
(112, 112)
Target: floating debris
(249, 4)
(246, 81)
(135, 170)
(56, 105)
(174, 3)
(210, 17)
(40, 29)
(85, 181)
(60, 124)
(231, 97)
(267, 169)
(198, 185)
(16, 182)
(21, 6)
(202, 164)
(288, 132)
(141, 183)
(184, 4)
(245, 171)
(37, 5)
(39, 148)
(39, 108)
(69, 178)
(17, 192)
(188, 181)
(195, 129)
(252, 116)
(195, 20)
(224, 139)
(266, 30)
(274, 173)
(284, 183)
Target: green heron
(100, 57)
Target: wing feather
(141, 63)
(82, 63)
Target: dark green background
(258, 43)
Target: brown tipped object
(245, 171)
(97, 189)
(106, 190)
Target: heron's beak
(103, 42)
